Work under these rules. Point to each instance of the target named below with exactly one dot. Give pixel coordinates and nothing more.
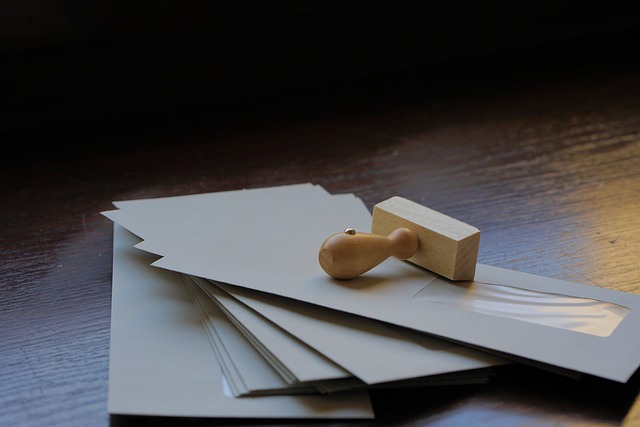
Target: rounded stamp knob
(349, 254)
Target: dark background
(70, 68)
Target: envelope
(272, 247)
(161, 362)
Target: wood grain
(546, 164)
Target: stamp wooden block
(447, 246)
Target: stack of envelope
(220, 309)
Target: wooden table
(542, 156)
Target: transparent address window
(577, 314)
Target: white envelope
(161, 362)
(272, 247)
(283, 261)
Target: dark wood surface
(543, 157)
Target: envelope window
(577, 314)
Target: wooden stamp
(408, 231)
